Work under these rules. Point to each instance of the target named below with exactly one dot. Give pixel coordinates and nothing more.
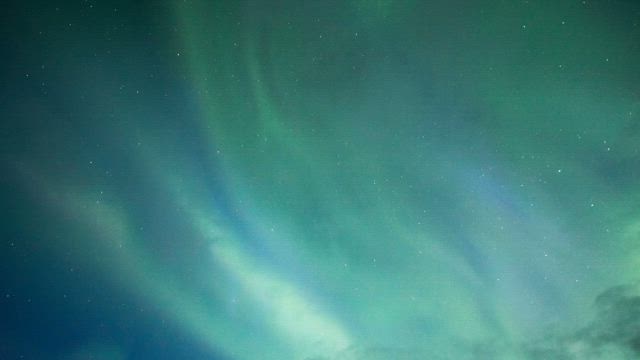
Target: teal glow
(342, 180)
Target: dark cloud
(612, 334)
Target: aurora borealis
(320, 180)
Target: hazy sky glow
(323, 180)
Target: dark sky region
(351, 180)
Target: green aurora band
(392, 180)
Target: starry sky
(350, 180)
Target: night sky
(315, 180)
